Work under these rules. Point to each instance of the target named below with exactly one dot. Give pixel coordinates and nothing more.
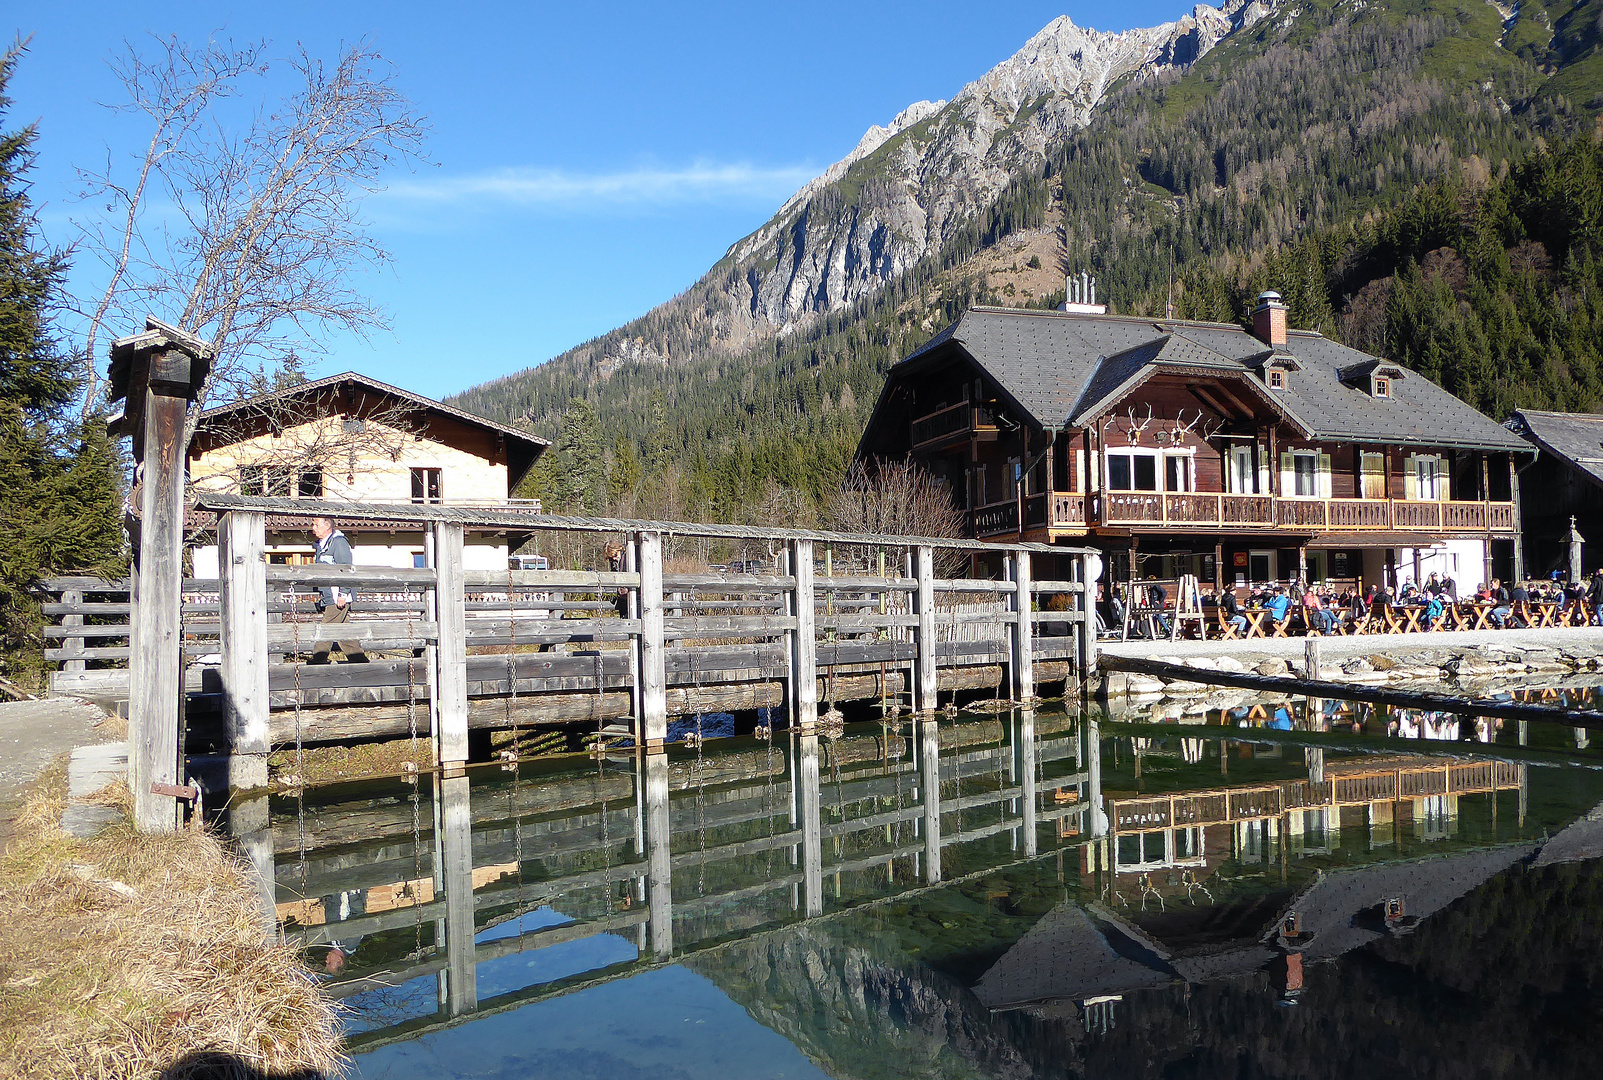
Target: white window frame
(1133, 452)
(1170, 856)
(1242, 471)
(1189, 471)
(1427, 470)
(1297, 458)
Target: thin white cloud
(560, 189)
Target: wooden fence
(451, 650)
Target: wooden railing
(1055, 509)
(949, 422)
(1201, 508)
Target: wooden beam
(924, 688)
(241, 537)
(451, 654)
(157, 647)
(804, 653)
(652, 726)
(1379, 695)
(1023, 660)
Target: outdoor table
(1255, 618)
(1480, 613)
(1544, 612)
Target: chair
(1227, 631)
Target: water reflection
(1028, 864)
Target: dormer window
(1382, 386)
(1277, 379)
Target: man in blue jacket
(335, 602)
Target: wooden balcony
(950, 424)
(1056, 510)
(1268, 512)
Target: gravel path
(32, 733)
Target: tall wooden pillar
(924, 685)
(652, 726)
(1519, 532)
(1023, 642)
(451, 674)
(242, 596)
(804, 646)
(157, 374)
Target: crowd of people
(1326, 609)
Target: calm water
(1256, 889)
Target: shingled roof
(1059, 368)
(1575, 437)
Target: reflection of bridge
(670, 855)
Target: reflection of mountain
(862, 1009)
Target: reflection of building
(1192, 833)
(1083, 955)
(349, 438)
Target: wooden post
(924, 685)
(1519, 532)
(242, 595)
(653, 722)
(659, 865)
(1085, 628)
(930, 765)
(72, 644)
(1310, 657)
(1028, 753)
(451, 671)
(631, 564)
(456, 841)
(157, 374)
(811, 826)
(804, 648)
(1023, 643)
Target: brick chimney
(1269, 319)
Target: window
(277, 480)
(250, 479)
(418, 560)
(426, 486)
(311, 484)
(1277, 379)
(353, 426)
(1178, 473)
(1382, 386)
(1427, 478)
(1305, 473)
(1243, 477)
(1132, 470)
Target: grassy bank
(144, 957)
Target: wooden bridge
(456, 650)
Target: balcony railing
(1057, 509)
(950, 422)
(1298, 514)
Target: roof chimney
(1269, 319)
(1080, 295)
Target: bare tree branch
(259, 232)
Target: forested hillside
(1374, 162)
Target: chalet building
(1565, 481)
(1193, 447)
(349, 438)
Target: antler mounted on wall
(1179, 429)
(1133, 432)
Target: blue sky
(586, 162)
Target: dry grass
(332, 764)
(144, 957)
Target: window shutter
(1324, 476)
(1410, 478)
(1288, 474)
(1443, 480)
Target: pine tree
(60, 491)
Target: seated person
(1230, 611)
(1278, 604)
(1500, 598)
(1320, 617)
